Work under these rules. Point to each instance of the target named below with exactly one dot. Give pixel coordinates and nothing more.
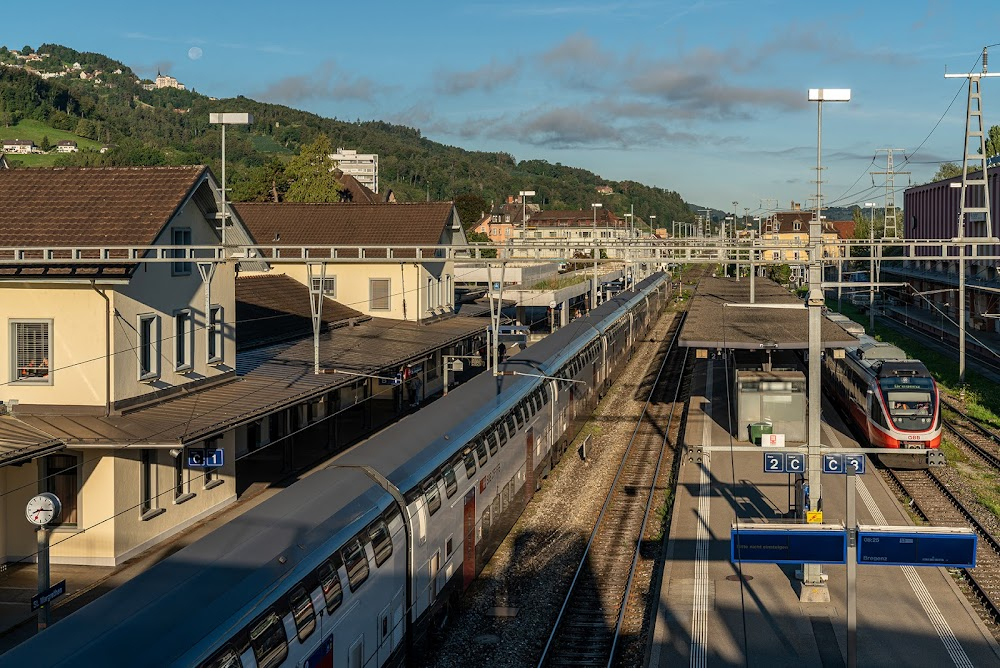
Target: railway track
(972, 435)
(935, 502)
(601, 600)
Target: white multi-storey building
(362, 166)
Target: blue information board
(915, 546)
(789, 544)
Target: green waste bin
(757, 430)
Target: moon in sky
(194, 53)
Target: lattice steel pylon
(891, 228)
(975, 155)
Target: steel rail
(611, 494)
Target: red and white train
(892, 399)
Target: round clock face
(42, 509)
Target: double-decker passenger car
(350, 566)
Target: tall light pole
(593, 299)
(871, 269)
(628, 230)
(524, 216)
(813, 580)
(224, 119)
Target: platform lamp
(871, 268)
(224, 119)
(813, 581)
(524, 208)
(595, 206)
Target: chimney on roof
(510, 199)
(796, 206)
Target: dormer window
(797, 226)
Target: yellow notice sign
(814, 516)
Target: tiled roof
(18, 142)
(360, 193)
(558, 218)
(91, 206)
(274, 308)
(786, 223)
(346, 224)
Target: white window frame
(149, 476)
(183, 491)
(371, 294)
(215, 334)
(329, 286)
(183, 340)
(153, 372)
(13, 322)
(180, 268)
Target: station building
(115, 375)
(931, 212)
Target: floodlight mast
(224, 119)
(814, 589)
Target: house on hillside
(66, 146)
(415, 292)
(20, 146)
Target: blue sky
(705, 97)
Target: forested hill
(170, 126)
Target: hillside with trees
(169, 126)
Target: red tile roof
(346, 224)
(71, 206)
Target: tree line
(170, 127)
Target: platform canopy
(712, 324)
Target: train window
(470, 464)
(518, 413)
(267, 637)
(481, 452)
(537, 400)
(302, 612)
(330, 582)
(545, 394)
(502, 433)
(510, 424)
(356, 562)
(491, 440)
(450, 481)
(432, 497)
(227, 657)
(448, 547)
(381, 540)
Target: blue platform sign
(784, 462)
(774, 462)
(838, 463)
(788, 544)
(795, 462)
(199, 458)
(917, 546)
(833, 463)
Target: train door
(529, 464)
(356, 655)
(384, 635)
(433, 568)
(469, 544)
(398, 623)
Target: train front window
(911, 406)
